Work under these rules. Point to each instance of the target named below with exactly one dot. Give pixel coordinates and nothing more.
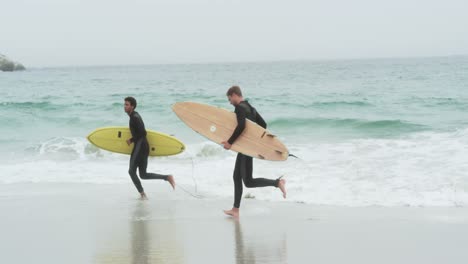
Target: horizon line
(245, 61)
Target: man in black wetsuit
(243, 169)
(139, 157)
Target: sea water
(388, 132)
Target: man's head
(130, 104)
(234, 95)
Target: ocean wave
(342, 103)
(367, 127)
(422, 169)
(438, 103)
(64, 148)
(321, 105)
(206, 150)
(29, 105)
(453, 103)
(44, 106)
(116, 105)
(75, 148)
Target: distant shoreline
(259, 62)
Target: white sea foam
(423, 169)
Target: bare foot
(234, 212)
(170, 179)
(143, 196)
(281, 186)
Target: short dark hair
(234, 90)
(132, 101)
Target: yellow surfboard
(218, 124)
(114, 139)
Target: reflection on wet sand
(139, 235)
(261, 246)
(153, 241)
(142, 239)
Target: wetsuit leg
(257, 182)
(237, 177)
(147, 175)
(143, 164)
(134, 163)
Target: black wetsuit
(139, 157)
(244, 167)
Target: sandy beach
(91, 223)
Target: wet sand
(90, 223)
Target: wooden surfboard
(218, 124)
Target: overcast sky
(107, 32)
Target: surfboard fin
(268, 134)
(291, 155)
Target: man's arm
(137, 127)
(259, 120)
(241, 116)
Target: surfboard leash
(195, 183)
(189, 193)
(193, 175)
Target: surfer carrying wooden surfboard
(139, 156)
(244, 164)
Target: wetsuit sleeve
(241, 116)
(137, 128)
(259, 120)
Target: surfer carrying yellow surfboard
(244, 164)
(139, 156)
